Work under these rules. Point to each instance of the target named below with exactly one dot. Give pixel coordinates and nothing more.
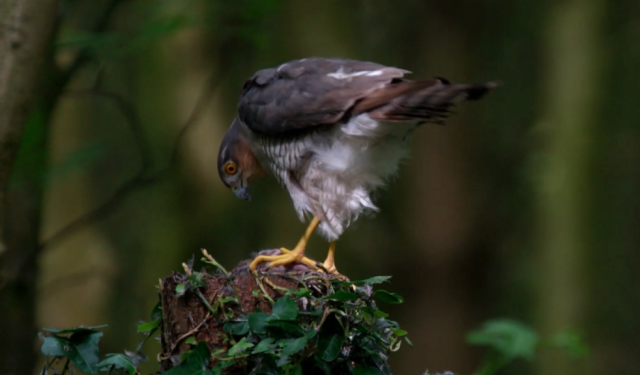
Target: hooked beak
(242, 192)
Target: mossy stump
(287, 322)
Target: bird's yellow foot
(329, 264)
(285, 258)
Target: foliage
(78, 347)
(509, 340)
(323, 327)
(335, 330)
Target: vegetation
(323, 327)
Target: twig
(297, 280)
(326, 313)
(209, 259)
(274, 286)
(264, 292)
(205, 302)
(210, 314)
(66, 366)
(186, 268)
(141, 179)
(183, 337)
(48, 365)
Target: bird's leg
(329, 264)
(290, 256)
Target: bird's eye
(230, 168)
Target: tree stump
(282, 321)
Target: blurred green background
(525, 206)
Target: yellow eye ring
(230, 168)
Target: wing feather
(310, 92)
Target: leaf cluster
(78, 347)
(509, 340)
(324, 327)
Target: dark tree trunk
(26, 27)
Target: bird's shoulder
(309, 92)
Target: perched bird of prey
(331, 131)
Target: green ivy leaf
(196, 280)
(156, 318)
(361, 370)
(217, 352)
(240, 328)
(287, 327)
(371, 280)
(372, 311)
(322, 365)
(298, 293)
(329, 346)
(283, 361)
(408, 341)
(511, 339)
(240, 347)
(217, 369)
(53, 346)
(191, 340)
(258, 322)
(83, 351)
(399, 332)
(264, 346)
(156, 312)
(149, 326)
(74, 330)
(387, 297)
(117, 361)
(572, 343)
(285, 309)
(293, 346)
(342, 296)
(228, 363)
(195, 362)
(180, 289)
(296, 370)
(228, 299)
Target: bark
(26, 27)
(185, 316)
(25, 30)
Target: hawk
(331, 131)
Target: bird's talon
(321, 267)
(285, 258)
(284, 251)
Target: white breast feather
(352, 161)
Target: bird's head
(237, 163)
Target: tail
(430, 101)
